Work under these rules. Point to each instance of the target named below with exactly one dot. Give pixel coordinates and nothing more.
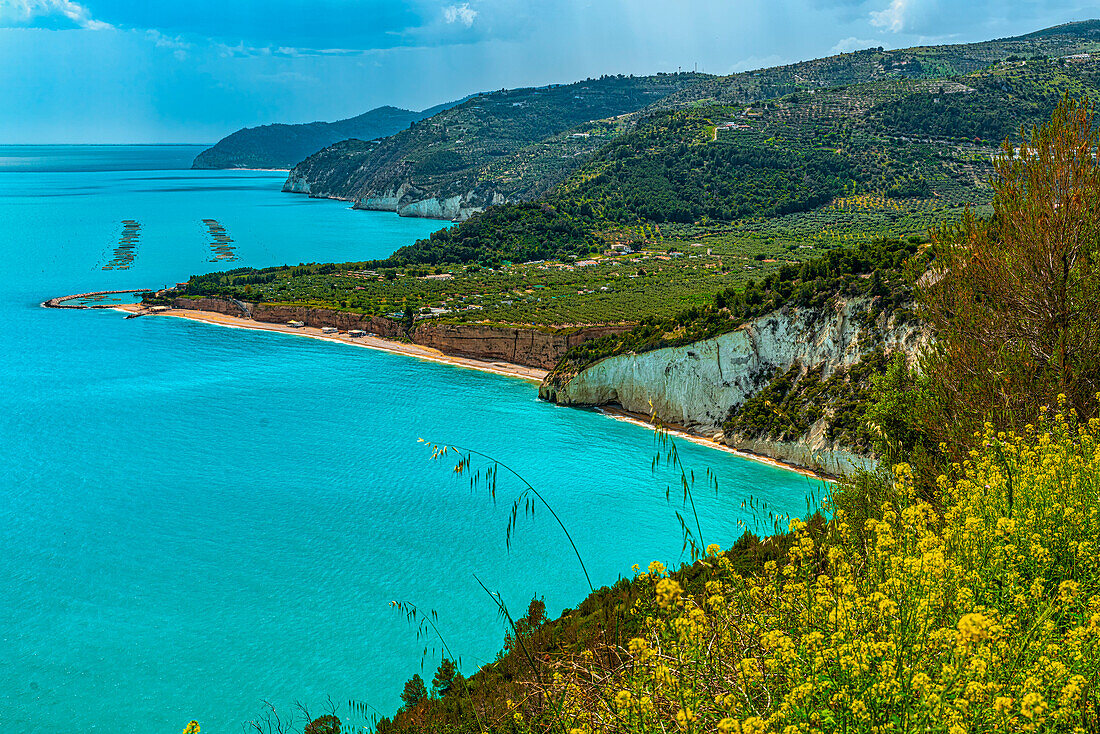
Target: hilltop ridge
(281, 145)
(487, 151)
(496, 146)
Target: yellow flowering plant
(980, 613)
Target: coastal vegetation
(953, 590)
(706, 197)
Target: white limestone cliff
(695, 385)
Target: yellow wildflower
(667, 591)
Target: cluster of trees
(242, 282)
(669, 171)
(513, 233)
(451, 701)
(443, 161)
(995, 108)
(1012, 301)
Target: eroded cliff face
(530, 347)
(358, 172)
(296, 184)
(280, 314)
(696, 385)
(517, 345)
(410, 201)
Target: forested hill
(872, 64)
(517, 145)
(893, 156)
(671, 206)
(281, 145)
(500, 144)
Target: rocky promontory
(697, 384)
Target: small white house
(328, 329)
(295, 324)
(355, 333)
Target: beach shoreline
(678, 431)
(506, 369)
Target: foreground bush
(980, 614)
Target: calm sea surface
(194, 519)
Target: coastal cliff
(525, 346)
(518, 345)
(409, 201)
(450, 201)
(696, 385)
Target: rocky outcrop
(518, 345)
(410, 201)
(280, 314)
(296, 184)
(696, 385)
(812, 453)
(63, 301)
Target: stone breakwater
(62, 301)
(519, 345)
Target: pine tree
(445, 678)
(414, 692)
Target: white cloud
(163, 41)
(23, 13)
(751, 63)
(178, 46)
(463, 14)
(242, 50)
(893, 17)
(852, 43)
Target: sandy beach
(505, 369)
(370, 342)
(687, 434)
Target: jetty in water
(88, 300)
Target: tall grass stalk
(526, 499)
(415, 616)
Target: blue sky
(145, 71)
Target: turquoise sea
(194, 519)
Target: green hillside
(707, 197)
(458, 152)
(886, 158)
(872, 64)
(281, 145)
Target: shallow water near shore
(194, 519)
